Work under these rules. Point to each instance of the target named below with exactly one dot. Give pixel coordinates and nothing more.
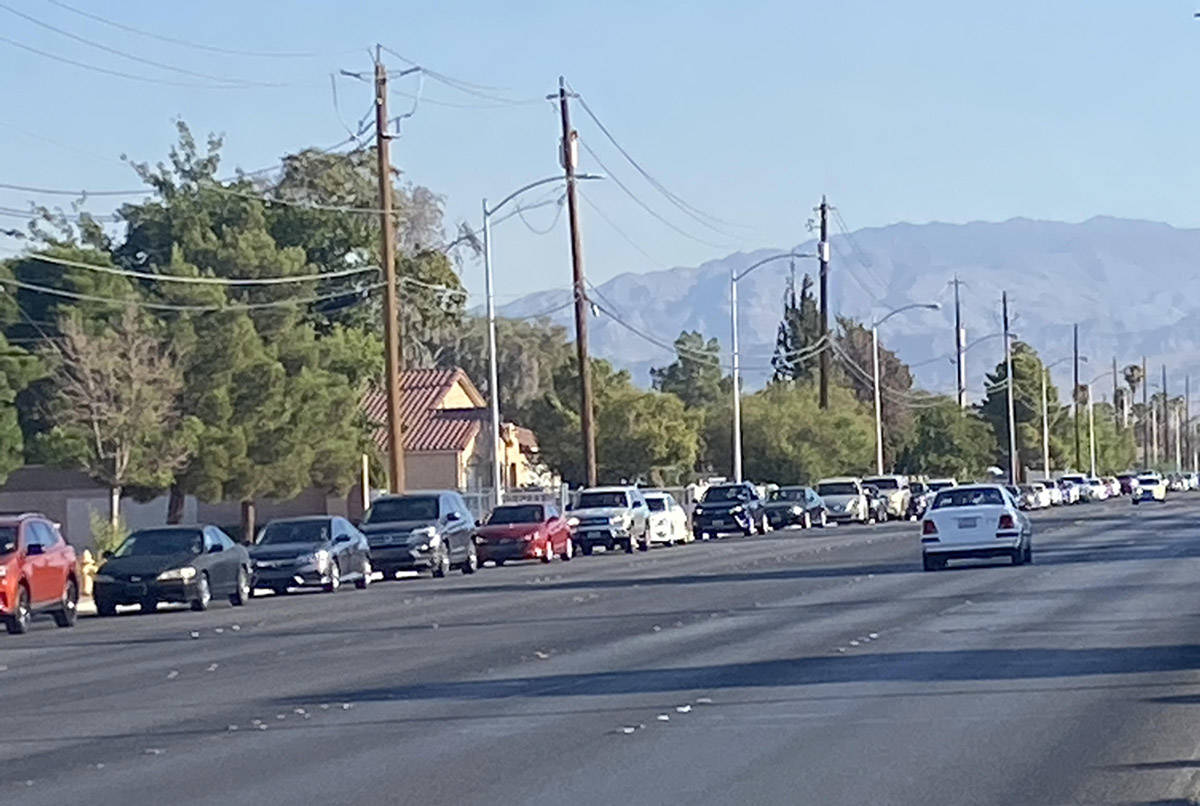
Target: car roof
(655, 494)
(302, 519)
(941, 479)
(792, 487)
(832, 479)
(610, 489)
(886, 476)
(979, 486)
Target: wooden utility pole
(1116, 410)
(1012, 388)
(960, 347)
(823, 257)
(1075, 399)
(1166, 417)
(586, 411)
(1145, 417)
(393, 361)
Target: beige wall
(457, 398)
(431, 471)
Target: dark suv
(37, 572)
(429, 531)
(729, 508)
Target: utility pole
(1116, 411)
(1166, 422)
(393, 362)
(1075, 398)
(569, 154)
(1012, 431)
(1145, 416)
(960, 347)
(823, 257)
(1187, 417)
(1045, 429)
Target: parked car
(844, 499)
(1114, 486)
(1070, 491)
(896, 490)
(937, 485)
(877, 503)
(795, 506)
(1193, 481)
(321, 551)
(1097, 489)
(1025, 496)
(611, 518)
(919, 499)
(1150, 488)
(975, 521)
(38, 573)
(182, 564)
(524, 532)
(668, 521)
(428, 531)
(1176, 483)
(728, 508)
(1083, 492)
(1042, 494)
(1054, 493)
(1128, 482)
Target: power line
(467, 87)
(608, 220)
(132, 57)
(185, 43)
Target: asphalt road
(795, 668)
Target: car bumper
(846, 517)
(510, 551)
(720, 523)
(123, 593)
(1000, 547)
(291, 577)
(390, 559)
(601, 536)
(784, 518)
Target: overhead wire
(608, 220)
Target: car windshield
(8, 539)
(161, 542)
(656, 504)
(837, 488)
(918, 488)
(968, 497)
(884, 483)
(717, 495)
(294, 532)
(940, 485)
(409, 508)
(787, 495)
(602, 500)
(1149, 481)
(516, 513)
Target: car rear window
(657, 504)
(415, 508)
(8, 539)
(968, 497)
(940, 485)
(1148, 480)
(721, 494)
(837, 488)
(294, 532)
(599, 500)
(884, 484)
(516, 513)
(787, 495)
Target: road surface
(795, 668)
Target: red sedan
(524, 532)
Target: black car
(795, 506)
(320, 551)
(432, 531)
(188, 564)
(727, 508)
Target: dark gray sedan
(321, 551)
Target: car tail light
(1006, 522)
(928, 528)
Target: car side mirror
(453, 517)
(478, 522)
(216, 548)
(33, 549)
(342, 538)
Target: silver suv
(611, 517)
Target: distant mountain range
(1132, 286)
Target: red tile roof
(426, 426)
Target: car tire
(279, 591)
(548, 554)
(1018, 556)
(499, 563)
(18, 622)
(105, 609)
(471, 564)
(933, 563)
(335, 578)
(148, 605)
(644, 543)
(1028, 554)
(586, 548)
(568, 550)
(65, 616)
(629, 546)
(441, 566)
(203, 594)
(364, 578)
(242, 589)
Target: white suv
(611, 517)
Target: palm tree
(1133, 379)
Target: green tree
(948, 441)
(1027, 409)
(695, 376)
(787, 438)
(799, 331)
(895, 382)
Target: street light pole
(1091, 433)
(1045, 428)
(930, 306)
(734, 277)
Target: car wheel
(241, 592)
(148, 605)
(1028, 552)
(365, 575)
(824, 519)
(498, 562)
(548, 554)
(806, 520)
(441, 566)
(933, 563)
(629, 546)
(203, 594)
(568, 550)
(644, 543)
(279, 591)
(65, 616)
(471, 564)
(335, 578)
(105, 609)
(18, 622)
(1018, 556)
(586, 548)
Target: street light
(734, 276)
(1092, 423)
(1046, 414)
(929, 306)
(493, 383)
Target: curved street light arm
(739, 275)
(548, 180)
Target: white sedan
(1150, 488)
(975, 521)
(668, 523)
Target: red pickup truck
(38, 572)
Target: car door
(641, 513)
(455, 525)
(56, 558)
(344, 546)
(36, 561)
(221, 563)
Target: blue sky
(915, 111)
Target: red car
(524, 532)
(38, 573)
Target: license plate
(967, 523)
(136, 590)
(720, 522)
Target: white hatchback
(975, 521)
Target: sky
(748, 112)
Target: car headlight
(797, 510)
(177, 574)
(736, 509)
(103, 578)
(572, 521)
(3, 571)
(527, 537)
(427, 533)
